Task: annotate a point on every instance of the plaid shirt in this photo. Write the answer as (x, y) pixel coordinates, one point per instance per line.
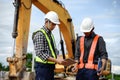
(41, 45)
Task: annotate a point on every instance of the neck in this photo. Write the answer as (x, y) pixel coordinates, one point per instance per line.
(48, 27)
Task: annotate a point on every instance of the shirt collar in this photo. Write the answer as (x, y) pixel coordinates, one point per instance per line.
(47, 30)
(92, 35)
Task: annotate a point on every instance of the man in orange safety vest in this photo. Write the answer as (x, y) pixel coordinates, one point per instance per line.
(89, 49)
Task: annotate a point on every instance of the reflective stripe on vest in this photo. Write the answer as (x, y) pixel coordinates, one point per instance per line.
(89, 64)
(51, 49)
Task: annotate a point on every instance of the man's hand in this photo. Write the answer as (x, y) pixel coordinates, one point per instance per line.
(75, 68)
(100, 71)
(61, 61)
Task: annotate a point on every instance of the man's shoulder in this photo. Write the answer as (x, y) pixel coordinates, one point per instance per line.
(36, 32)
(100, 37)
(78, 38)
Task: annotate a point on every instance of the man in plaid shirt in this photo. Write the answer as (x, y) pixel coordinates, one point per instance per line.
(45, 48)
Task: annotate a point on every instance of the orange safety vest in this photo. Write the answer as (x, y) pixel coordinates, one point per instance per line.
(89, 64)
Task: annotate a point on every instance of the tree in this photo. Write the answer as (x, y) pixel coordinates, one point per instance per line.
(3, 68)
(29, 61)
(0, 66)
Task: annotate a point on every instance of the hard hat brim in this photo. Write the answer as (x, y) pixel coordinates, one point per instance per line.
(57, 23)
(82, 30)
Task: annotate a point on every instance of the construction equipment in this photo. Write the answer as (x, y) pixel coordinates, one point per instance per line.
(107, 69)
(21, 31)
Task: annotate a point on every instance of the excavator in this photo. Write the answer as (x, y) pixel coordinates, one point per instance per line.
(21, 31)
(20, 34)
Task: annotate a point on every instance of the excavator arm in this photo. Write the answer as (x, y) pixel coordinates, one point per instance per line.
(21, 31)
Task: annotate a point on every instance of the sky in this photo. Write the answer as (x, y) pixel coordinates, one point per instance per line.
(105, 14)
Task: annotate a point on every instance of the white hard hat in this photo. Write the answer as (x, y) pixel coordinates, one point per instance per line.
(53, 17)
(87, 25)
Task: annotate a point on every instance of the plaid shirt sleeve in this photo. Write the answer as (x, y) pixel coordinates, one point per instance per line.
(41, 46)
